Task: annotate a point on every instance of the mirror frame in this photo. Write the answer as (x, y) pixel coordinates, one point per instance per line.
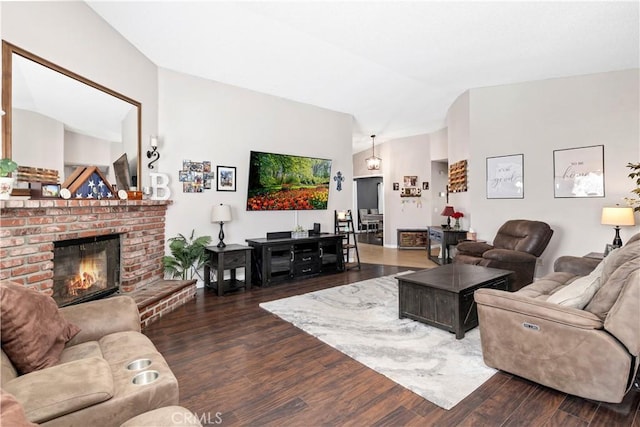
(8, 50)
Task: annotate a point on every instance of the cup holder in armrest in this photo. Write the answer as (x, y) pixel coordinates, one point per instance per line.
(145, 377)
(138, 364)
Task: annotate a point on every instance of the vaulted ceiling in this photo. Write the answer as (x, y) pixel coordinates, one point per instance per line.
(396, 66)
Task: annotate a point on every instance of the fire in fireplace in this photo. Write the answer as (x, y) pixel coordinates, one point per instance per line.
(85, 269)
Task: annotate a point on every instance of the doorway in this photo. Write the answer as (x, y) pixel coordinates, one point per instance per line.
(369, 194)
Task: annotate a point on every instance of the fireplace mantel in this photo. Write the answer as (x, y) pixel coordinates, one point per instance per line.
(29, 228)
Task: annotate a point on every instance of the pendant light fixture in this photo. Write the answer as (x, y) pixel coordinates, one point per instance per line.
(373, 162)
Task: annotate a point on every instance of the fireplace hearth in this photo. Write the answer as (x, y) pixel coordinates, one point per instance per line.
(85, 269)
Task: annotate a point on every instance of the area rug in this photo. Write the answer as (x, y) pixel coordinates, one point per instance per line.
(361, 320)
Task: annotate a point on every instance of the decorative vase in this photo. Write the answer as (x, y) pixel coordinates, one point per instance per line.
(6, 186)
(456, 226)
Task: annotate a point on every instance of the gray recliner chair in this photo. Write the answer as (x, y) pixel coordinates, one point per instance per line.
(516, 247)
(572, 336)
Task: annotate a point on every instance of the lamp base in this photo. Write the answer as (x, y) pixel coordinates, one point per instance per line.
(221, 243)
(617, 241)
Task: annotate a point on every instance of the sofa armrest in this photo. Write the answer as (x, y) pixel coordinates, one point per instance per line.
(508, 255)
(53, 392)
(473, 248)
(578, 266)
(535, 308)
(102, 317)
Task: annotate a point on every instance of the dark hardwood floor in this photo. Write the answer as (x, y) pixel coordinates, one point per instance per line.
(238, 365)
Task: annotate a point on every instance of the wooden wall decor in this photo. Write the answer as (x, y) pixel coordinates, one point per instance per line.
(87, 182)
(30, 174)
(458, 177)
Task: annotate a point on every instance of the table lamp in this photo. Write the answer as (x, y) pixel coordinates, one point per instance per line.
(448, 211)
(617, 215)
(221, 214)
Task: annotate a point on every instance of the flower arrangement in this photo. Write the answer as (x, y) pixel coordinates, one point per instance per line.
(299, 232)
(457, 215)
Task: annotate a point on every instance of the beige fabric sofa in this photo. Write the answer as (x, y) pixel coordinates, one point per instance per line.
(91, 383)
(592, 352)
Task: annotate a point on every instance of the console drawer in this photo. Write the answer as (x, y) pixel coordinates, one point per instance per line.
(306, 257)
(306, 268)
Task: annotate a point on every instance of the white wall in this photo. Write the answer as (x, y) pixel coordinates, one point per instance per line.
(459, 147)
(439, 141)
(72, 35)
(409, 156)
(206, 120)
(405, 157)
(535, 118)
(42, 140)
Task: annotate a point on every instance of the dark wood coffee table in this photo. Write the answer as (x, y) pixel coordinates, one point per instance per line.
(443, 296)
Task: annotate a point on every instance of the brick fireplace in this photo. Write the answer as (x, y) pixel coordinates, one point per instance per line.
(30, 228)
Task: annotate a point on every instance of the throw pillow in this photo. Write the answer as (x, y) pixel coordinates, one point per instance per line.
(578, 293)
(33, 333)
(11, 412)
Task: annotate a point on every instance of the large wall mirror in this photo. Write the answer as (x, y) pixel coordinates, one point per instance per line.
(57, 119)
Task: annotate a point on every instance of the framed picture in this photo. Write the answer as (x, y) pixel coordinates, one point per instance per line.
(396, 186)
(579, 172)
(50, 190)
(121, 171)
(425, 185)
(410, 181)
(505, 177)
(226, 178)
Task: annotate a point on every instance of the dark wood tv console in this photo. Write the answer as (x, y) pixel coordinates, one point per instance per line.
(276, 260)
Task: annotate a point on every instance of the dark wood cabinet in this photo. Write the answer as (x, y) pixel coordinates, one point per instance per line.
(443, 296)
(276, 260)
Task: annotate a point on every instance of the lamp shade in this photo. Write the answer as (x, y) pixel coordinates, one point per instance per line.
(221, 213)
(448, 211)
(617, 215)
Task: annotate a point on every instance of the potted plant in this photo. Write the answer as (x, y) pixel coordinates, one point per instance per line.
(7, 166)
(188, 256)
(635, 174)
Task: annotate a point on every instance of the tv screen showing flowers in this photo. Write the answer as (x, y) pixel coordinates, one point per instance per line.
(286, 182)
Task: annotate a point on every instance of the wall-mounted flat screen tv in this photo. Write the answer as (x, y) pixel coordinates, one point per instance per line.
(285, 182)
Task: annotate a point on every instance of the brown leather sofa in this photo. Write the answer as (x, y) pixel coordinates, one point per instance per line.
(516, 247)
(593, 351)
(92, 382)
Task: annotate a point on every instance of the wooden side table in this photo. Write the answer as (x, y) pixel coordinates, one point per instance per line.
(230, 258)
(594, 255)
(446, 238)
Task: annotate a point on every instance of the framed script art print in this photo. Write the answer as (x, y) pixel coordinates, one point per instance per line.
(579, 172)
(505, 177)
(226, 178)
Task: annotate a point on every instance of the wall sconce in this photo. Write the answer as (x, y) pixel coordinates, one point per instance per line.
(153, 153)
(373, 162)
(221, 214)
